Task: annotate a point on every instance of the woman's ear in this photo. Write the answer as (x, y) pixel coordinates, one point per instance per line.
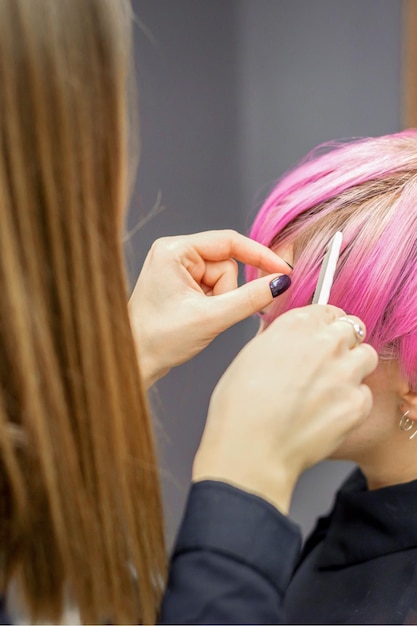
(408, 402)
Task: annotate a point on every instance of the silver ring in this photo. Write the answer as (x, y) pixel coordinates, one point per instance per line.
(357, 328)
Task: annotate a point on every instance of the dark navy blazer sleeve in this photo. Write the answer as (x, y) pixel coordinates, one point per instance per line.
(233, 559)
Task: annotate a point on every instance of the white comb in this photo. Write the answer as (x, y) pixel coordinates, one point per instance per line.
(328, 268)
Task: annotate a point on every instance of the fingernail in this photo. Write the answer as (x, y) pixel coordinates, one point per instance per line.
(279, 285)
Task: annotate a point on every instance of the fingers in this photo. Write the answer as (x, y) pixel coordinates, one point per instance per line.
(367, 400)
(218, 245)
(314, 314)
(360, 405)
(336, 336)
(356, 332)
(358, 363)
(220, 277)
(238, 304)
(350, 329)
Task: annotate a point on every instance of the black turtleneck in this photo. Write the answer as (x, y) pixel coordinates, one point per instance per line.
(359, 566)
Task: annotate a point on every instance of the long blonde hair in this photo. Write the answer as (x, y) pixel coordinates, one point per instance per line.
(80, 509)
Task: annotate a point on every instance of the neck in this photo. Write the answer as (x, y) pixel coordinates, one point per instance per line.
(391, 462)
(390, 468)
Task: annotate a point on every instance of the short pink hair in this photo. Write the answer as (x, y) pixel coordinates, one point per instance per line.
(368, 190)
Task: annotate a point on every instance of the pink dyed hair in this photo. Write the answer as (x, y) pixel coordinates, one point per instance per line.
(367, 189)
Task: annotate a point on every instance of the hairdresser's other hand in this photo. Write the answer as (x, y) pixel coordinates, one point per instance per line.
(286, 402)
(187, 293)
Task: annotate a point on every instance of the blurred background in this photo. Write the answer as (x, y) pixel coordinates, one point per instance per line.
(231, 94)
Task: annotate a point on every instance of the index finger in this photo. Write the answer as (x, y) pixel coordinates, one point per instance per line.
(218, 245)
(316, 313)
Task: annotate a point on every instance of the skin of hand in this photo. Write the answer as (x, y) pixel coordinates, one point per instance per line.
(287, 401)
(187, 293)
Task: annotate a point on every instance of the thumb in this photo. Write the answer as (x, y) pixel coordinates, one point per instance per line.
(238, 304)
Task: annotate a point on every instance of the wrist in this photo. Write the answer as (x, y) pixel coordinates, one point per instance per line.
(273, 484)
(150, 373)
(150, 368)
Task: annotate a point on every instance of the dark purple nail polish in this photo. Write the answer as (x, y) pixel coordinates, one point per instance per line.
(279, 285)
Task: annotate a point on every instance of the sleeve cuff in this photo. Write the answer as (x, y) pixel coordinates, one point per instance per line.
(242, 526)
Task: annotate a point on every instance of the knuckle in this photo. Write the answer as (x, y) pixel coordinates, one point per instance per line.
(358, 320)
(160, 243)
(169, 246)
(232, 264)
(330, 342)
(361, 402)
(369, 355)
(299, 318)
(331, 311)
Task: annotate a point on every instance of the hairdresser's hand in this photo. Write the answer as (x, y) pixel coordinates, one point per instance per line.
(286, 402)
(187, 293)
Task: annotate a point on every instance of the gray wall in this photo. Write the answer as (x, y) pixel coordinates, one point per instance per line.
(231, 95)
